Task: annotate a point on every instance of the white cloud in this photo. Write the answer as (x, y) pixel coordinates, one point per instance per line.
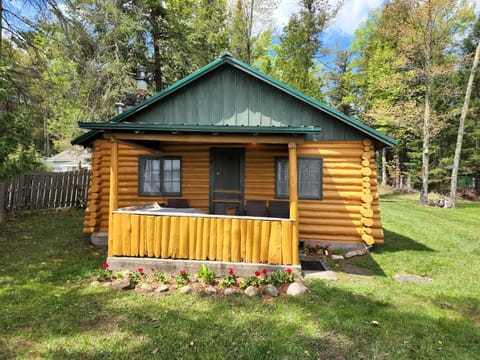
(349, 17)
(352, 14)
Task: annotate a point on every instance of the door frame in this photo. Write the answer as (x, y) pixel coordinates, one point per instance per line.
(241, 154)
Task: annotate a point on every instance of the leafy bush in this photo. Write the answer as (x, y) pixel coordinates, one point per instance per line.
(206, 274)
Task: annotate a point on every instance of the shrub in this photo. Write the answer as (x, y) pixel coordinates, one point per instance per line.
(206, 274)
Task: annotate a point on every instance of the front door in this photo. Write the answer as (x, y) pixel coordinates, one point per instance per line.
(226, 180)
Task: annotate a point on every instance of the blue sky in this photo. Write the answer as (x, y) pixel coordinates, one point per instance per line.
(340, 32)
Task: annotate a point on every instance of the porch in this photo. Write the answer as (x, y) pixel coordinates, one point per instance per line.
(172, 235)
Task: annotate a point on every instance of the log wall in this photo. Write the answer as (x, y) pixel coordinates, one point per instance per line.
(349, 210)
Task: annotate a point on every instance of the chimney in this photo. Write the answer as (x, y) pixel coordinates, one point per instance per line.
(141, 83)
(119, 107)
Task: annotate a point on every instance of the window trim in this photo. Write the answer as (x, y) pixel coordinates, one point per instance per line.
(279, 158)
(141, 170)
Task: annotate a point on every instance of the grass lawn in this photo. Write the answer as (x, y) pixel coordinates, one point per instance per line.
(49, 310)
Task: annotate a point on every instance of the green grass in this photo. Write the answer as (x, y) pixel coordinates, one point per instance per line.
(49, 310)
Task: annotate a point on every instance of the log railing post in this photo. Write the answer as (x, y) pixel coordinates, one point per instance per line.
(113, 194)
(293, 189)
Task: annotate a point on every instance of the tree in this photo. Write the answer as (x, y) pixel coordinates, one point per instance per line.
(299, 49)
(427, 31)
(339, 84)
(461, 127)
(250, 18)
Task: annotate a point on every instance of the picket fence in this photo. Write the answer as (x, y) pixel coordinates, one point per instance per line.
(44, 190)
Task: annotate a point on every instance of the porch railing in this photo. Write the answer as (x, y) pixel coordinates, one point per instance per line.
(202, 237)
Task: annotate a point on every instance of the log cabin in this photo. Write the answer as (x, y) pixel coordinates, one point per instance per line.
(240, 167)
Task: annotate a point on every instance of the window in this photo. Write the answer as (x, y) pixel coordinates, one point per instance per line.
(159, 176)
(309, 178)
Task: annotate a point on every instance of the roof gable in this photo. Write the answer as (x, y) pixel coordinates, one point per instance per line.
(230, 93)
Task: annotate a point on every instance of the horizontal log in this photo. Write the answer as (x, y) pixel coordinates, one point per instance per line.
(330, 237)
(330, 221)
(330, 207)
(331, 145)
(341, 153)
(330, 230)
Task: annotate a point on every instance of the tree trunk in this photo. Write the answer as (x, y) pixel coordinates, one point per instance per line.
(156, 15)
(427, 113)
(384, 167)
(397, 169)
(461, 127)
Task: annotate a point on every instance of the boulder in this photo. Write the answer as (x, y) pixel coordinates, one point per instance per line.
(162, 288)
(337, 257)
(121, 284)
(210, 290)
(145, 288)
(270, 290)
(186, 289)
(353, 253)
(251, 291)
(295, 289)
(229, 292)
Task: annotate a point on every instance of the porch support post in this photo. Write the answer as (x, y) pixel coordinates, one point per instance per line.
(113, 197)
(293, 189)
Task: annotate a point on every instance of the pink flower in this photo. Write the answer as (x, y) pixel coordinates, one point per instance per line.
(182, 272)
(105, 265)
(230, 271)
(288, 271)
(264, 272)
(257, 273)
(140, 270)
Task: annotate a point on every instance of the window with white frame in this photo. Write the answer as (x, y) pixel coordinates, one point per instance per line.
(309, 177)
(159, 176)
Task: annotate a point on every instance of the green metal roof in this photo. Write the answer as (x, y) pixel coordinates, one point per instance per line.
(201, 128)
(116, 122)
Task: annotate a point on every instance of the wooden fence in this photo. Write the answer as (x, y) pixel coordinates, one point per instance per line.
(43, 190)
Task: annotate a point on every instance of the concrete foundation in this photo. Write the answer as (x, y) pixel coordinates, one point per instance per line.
(191, 266)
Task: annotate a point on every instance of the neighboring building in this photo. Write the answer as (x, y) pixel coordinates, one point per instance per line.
(232, 143)
(69, 160)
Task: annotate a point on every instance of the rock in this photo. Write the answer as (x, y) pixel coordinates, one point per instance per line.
(186, 289)
(95, 283)
(353, 253)
(270, 290)
(107, 284)
(210, 290)
(162, 288)
(355, 270)
(295, 289)
(411, 278)
(251, 291)
(322, 275)
(375, 323)
(145, 288)
(337, 257)
(229, 292)
(121, 284)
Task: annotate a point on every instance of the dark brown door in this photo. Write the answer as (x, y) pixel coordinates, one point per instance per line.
(226, 180)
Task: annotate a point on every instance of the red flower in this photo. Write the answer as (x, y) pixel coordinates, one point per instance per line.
(140, 270)
(317, 246)
(105, 265)
(257, 273)
(182, 272)
(230, 271)
(288, 271)
(327, 247)
(308, 245)
(264, 272)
